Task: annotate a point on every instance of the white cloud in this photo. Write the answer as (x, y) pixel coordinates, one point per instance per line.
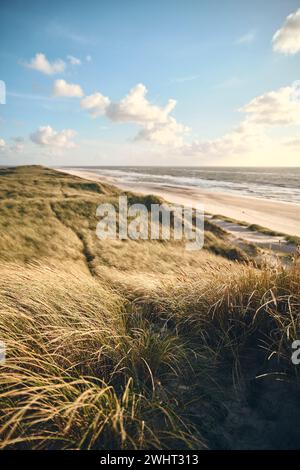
(240, 140)
(62, 88)
(247, 38)
(274, 108)
(287, 39)
(40, 63)
(16, 147)
(169, 133)
(280, 107)
(96, 104)
(73, 60)
(134, 107)
(271, 109)
(48, 137)
(156, 122)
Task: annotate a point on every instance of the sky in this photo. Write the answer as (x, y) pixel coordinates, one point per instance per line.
(166, 82)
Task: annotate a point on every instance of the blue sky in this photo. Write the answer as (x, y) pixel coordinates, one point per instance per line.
(212, 57)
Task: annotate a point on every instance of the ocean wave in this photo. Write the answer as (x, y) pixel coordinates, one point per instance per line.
(275, 184)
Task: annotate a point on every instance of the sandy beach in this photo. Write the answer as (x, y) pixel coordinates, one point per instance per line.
(280, 216)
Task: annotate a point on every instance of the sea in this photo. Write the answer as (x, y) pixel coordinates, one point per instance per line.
(279, 184)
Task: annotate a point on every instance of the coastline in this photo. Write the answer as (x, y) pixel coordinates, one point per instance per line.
(275, 215)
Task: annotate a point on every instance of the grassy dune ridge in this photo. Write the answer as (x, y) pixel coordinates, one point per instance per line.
(136, 344)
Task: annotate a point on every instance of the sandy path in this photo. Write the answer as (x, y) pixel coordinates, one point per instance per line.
(265, 241)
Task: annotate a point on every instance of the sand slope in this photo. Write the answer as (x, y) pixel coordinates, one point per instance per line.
(280, 216)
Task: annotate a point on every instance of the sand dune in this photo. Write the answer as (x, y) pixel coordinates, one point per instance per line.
(280, 216)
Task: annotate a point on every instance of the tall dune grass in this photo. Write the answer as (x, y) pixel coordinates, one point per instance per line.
(90, 367)
(79, 371)
(134, 344)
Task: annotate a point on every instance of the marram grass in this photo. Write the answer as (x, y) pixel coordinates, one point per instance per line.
(136, 344)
